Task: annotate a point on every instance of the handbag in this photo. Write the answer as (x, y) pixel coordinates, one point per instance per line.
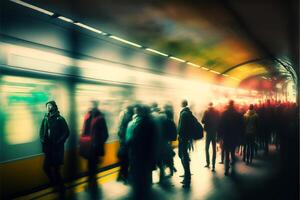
(85, 146)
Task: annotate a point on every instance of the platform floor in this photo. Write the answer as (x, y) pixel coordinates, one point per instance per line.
(205, 184)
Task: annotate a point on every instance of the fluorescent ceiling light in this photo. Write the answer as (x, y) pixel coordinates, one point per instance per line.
(178, 59)
(125, 41)
(33, 7)
(225, 75)
(154, 51)
(213, 71)
(205, 68)
(88, 27)
(189, 63)
(65, 19)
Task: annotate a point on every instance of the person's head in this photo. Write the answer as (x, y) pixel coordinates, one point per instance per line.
(94, 104)
(231, 104)
(154, 107)
(184, 103)
(51, 106)
(251, 107)
(210, 105)
(137, 109)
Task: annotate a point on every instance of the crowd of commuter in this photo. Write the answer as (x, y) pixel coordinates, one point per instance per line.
(146, 134)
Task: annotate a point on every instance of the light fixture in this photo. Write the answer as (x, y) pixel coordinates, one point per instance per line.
(33, 7)
(88, 27)
(213, 71)
(192, 64)
(226, 75)
(158, 52)
(204, 68)
(125, 41)
(65, 19)
(178, 59)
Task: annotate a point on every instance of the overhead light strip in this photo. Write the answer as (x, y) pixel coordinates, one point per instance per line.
(192, 64)
(213, 71)
(112, 36)
(158, 52)
(125, 41)
(33, 7)
(65, 19)
(88, 27)
(178, 59)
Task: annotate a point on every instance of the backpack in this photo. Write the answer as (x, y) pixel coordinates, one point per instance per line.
(196, 129)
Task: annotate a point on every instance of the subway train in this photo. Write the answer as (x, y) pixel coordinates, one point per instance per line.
(45, 64)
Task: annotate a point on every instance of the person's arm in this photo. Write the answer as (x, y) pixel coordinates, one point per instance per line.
(65, 132)
(104, 130)
(183, 125)
(42, 131)
(204, 118)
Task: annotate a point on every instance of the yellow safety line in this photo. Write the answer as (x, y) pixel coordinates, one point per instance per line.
(79, 185)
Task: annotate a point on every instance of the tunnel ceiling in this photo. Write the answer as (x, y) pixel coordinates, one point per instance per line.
(232, 37)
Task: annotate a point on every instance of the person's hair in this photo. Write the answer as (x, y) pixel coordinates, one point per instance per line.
(95, 103)
(53, 103)
(251, 107)
(210, 104)
(231, 103)
(184, 103)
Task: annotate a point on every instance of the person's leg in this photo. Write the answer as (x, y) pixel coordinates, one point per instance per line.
(233, 159)
(186, 166)
(58, 179)
(222, 154)
(207, 142)
(245, 151)
(48, 170)
(161, 170)
(214, 146)
(92, 170)
(226, 161)
(252, 147)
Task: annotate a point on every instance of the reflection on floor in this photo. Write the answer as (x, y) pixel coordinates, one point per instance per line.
(205, 184)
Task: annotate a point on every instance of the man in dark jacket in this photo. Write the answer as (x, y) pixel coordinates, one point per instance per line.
(231, 128)
(184, 125)
(95, 126)
(210, 120)
(251, 127)
(53, 133)
(140, 140)
(126, 117)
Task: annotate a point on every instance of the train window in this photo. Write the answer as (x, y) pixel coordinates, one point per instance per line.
(23, 106)
(113, 100)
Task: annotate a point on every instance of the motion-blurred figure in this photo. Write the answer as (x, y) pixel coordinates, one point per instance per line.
(211, 122)
(231, 127)
(140, 140)
(251, 127)
(123, 150)
(170, 134)
(159, 119)
(184, 125)
(54, 132)
(94, 136)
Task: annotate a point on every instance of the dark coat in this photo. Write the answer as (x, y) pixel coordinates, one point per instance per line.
(210, 120)
(95, 125)
(53, 133)
(184, 124)
(141, 145)
(231, 128)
